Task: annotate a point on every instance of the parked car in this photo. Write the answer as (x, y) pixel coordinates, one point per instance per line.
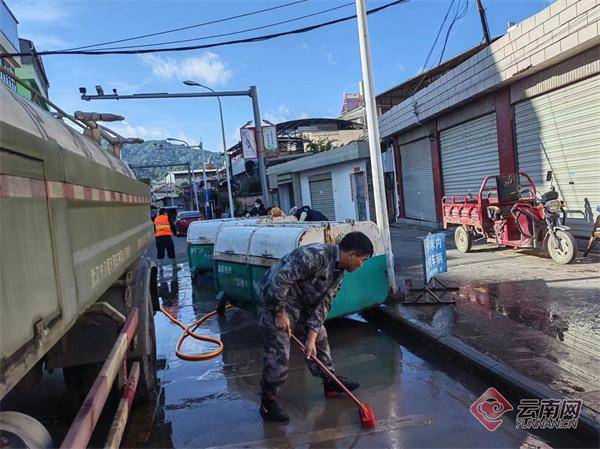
(184, 219)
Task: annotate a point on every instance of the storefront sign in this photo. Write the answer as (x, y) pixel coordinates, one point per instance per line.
(270, 140)
(248, 143)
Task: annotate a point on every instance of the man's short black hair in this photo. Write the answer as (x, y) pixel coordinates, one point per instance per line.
(358, 243)
(162, 211)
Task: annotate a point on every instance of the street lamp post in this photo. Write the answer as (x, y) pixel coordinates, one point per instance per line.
(206, 198)
(229, 193)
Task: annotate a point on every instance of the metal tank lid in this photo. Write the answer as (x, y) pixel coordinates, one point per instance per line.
(234, 239)
(204, 232)
(29, 117)
(275, 242)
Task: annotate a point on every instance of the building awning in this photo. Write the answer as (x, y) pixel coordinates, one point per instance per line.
(353, 151)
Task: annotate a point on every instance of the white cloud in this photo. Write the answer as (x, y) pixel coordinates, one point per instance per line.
(46, 41)
(304, 45)
(208, 68)
(330, 58)
(401, 67)
(39, 11)
(153, 131)
(283, 114)
(143, 132)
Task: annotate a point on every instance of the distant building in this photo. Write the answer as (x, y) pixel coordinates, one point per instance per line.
(9, 43)
(180, 177)
(335, 182)
(30, 69)
(310, 134)
(33, 73)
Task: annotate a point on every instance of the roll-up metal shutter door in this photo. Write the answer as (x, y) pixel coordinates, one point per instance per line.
(560, 131)
(417, 180)
(321, 194)
(469, 153)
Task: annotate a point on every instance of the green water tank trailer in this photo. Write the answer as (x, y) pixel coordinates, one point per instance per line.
(75, 223)
(242, 254)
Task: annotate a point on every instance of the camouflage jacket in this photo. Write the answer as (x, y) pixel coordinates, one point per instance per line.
(303, 284)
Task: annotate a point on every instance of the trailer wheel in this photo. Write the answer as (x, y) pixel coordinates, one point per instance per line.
(147, 388)
(463, 239)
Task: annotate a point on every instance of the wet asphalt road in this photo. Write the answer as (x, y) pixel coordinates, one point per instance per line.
(420, 399)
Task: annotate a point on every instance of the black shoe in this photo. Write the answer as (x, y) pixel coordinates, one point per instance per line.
(332, 389)
(271, 410)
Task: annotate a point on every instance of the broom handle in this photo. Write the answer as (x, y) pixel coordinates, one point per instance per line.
(329, 373)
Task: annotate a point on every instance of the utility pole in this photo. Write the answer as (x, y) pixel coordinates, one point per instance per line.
(206, 191)
(374, 142)
(484, 24)
(191, 203)
(262, 169)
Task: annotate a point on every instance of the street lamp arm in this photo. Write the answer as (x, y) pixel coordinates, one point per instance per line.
(229, 192)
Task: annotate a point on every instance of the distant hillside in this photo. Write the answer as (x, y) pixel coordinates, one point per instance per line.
(163, 152)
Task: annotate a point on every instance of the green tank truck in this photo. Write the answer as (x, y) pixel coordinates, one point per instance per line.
(74, 226)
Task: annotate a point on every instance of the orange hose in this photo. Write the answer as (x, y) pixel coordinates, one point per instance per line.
(188, 331)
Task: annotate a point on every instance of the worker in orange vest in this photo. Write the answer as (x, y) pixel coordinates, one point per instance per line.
(163, 232)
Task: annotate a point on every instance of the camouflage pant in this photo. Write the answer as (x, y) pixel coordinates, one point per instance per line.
(277, 353)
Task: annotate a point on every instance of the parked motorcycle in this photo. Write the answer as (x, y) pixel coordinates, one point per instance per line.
(512, 214)
(548, 216)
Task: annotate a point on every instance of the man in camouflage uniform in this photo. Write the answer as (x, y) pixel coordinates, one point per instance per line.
(295, 295)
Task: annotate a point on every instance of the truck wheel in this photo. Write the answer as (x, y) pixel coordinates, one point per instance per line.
(463, 240)
(563, 249)
(147, 388)
(18, 430)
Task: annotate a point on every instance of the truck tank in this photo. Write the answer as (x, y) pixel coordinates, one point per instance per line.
(72, 220)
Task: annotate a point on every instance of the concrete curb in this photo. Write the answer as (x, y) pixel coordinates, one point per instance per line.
(589, 420)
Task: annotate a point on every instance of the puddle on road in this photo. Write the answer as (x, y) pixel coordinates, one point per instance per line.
(562, 315)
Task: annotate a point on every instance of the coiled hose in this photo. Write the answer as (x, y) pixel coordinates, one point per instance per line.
(188, 331)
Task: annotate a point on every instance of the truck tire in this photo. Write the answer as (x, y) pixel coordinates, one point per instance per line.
(463, 239)
(147, 388)
(566, 250)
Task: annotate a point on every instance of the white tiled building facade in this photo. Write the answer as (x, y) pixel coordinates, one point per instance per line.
(529, 102)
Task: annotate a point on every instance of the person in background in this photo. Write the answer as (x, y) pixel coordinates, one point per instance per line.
(258, 209)
(305, 213)
(163, 233)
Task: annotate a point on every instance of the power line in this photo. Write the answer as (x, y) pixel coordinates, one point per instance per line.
(437, 36)
(204, 46)
(262, 27)
(173, 30)
(458, 15)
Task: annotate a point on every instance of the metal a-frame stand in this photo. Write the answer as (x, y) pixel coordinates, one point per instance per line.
(429, 290)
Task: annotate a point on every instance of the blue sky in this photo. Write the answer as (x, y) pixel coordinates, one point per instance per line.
(296, 76)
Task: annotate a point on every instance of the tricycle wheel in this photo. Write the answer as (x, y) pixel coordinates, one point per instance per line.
(563, 248)
(463, 239)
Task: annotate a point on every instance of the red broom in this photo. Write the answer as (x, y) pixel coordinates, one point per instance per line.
(367, 417)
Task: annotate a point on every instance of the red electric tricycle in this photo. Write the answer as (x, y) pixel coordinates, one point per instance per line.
(508, 211)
